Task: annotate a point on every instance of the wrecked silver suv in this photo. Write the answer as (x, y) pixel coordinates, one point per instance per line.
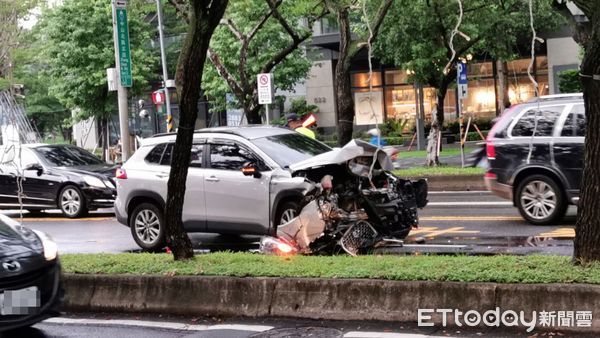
(356, 205)
(246, 180)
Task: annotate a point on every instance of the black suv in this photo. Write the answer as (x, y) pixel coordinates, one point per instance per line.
(535, 154)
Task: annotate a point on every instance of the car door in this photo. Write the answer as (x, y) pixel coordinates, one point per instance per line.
(235, 203)
(194, 205)
(568, 147)
(8, 177)
(40, 187)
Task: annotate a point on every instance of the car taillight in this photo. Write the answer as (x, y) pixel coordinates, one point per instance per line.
(121, 174)
(490, 150)
(491, 175)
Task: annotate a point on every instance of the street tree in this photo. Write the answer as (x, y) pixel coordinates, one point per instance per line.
(11, 12)
(417, 35)
(202, 16)
(587, 34)
(45, 111)
(356, 32)
(78, 46)
(259, 36)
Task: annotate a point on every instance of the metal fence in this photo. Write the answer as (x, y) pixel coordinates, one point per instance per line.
(14, 125)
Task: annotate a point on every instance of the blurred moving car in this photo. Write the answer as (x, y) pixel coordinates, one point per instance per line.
(55, 176)
(30, 285)
(536, 156)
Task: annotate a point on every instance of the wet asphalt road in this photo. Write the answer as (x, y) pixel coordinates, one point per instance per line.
(132, 325)
(463, 222)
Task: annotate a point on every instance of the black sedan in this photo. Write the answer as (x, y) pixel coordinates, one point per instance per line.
(55, 176)
(30, 288)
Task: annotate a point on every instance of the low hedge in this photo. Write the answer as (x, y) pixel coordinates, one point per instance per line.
(500, 269)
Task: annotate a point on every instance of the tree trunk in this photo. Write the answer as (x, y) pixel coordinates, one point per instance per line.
(253, 114)
(503, 98)
(587, 228)
(343, 91)
(204, 15)
(437, 121)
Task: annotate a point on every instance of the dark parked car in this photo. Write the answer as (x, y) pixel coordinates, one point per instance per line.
(30, 287)
(536, 156)
(55, 176)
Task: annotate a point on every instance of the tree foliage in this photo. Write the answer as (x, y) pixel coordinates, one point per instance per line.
(416, 36)
(11, 12)
(359, 24)
(79, 47)
(259, 36)
(569, 82)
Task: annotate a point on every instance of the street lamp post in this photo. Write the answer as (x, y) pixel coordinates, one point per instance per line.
(163, 59)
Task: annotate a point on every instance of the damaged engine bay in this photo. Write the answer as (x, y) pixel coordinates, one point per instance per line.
(356, 204)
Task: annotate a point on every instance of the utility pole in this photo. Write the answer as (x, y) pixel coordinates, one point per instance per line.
(163, 58)
(123, 66)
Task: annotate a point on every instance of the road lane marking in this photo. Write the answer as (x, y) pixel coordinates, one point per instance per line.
(435, 231)
(162, 325)
(459, 192)
(468, 204)
(560, 232)
(64, 219)
(470, 218)
(235, 327)
(365, 334)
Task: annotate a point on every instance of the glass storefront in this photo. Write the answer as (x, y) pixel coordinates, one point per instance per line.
(394, 96)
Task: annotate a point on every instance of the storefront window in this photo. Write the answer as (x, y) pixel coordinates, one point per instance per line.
(368, 106)
(396, 77)
(480, 69)
(362, 79)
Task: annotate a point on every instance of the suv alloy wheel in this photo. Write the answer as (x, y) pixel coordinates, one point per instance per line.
(540, 200)
(147, 227)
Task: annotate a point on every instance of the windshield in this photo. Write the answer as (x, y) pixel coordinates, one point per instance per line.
(288, 149)
(67, 156)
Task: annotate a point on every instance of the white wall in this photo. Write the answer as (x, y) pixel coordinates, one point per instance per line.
(561, 52)
(319, 91)
(85, 133)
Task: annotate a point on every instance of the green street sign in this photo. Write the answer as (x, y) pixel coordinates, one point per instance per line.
(124, 52)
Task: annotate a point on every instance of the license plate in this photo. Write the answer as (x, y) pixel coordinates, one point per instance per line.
(20, 302)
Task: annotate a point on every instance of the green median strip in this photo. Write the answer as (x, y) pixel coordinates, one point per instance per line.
(423, 153)
(438, 171)
(500, 269)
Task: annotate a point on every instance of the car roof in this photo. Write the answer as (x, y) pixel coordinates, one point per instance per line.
(248, 132)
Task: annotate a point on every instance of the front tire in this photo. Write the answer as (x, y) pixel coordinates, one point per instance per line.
(147, 227)
(287, 211)
(72, 202)
(540, 200)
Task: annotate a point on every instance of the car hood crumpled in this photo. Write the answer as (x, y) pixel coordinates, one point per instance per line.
(353, 149)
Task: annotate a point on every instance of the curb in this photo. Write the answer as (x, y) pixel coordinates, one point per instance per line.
(455, 183)
(323, 299)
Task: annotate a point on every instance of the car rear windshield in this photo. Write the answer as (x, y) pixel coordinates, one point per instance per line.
(67, 156)
(288, 149)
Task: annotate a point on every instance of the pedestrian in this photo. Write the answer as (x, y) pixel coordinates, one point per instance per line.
(295, 123)
(376, 140)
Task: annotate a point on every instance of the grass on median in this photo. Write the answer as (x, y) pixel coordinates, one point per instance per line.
(423, 153)
(438, 171)
(501, 269)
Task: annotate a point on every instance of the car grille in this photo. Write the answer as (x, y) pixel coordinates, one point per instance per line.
(24, 279)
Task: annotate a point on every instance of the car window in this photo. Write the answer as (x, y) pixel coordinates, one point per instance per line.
(290, 148)
(196, 156)
(162, 153)
(67, 156)
(166, 158)
(230, 156)
(579, 111)
(546, 118)
(155, 154)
